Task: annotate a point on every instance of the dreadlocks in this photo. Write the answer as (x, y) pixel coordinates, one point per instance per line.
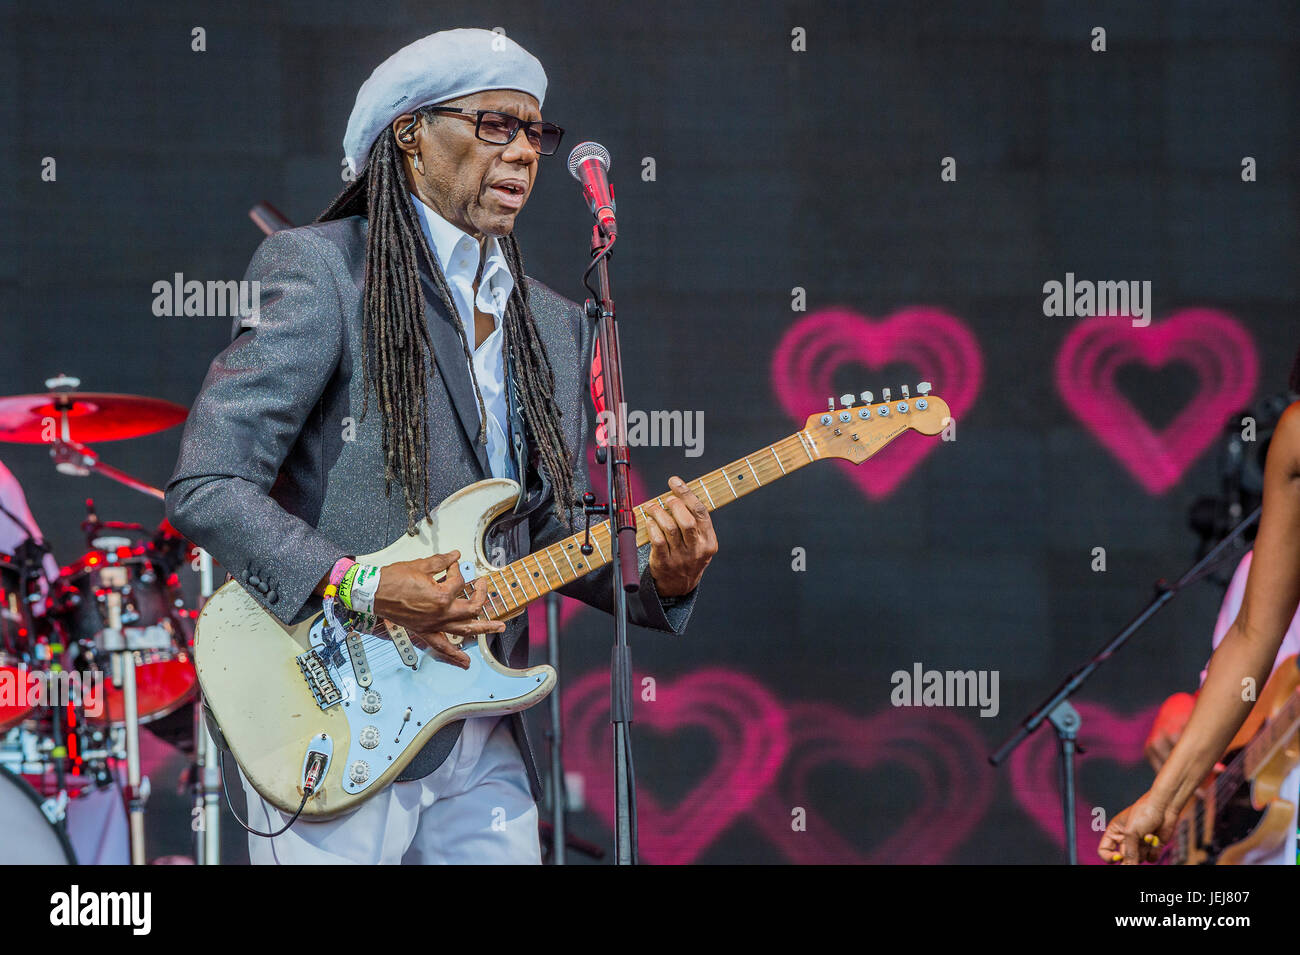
(395, 340)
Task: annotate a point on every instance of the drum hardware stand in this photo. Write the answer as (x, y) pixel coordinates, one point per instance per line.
(78, 460)
(137, 787)
(205, 774)
(73, 458)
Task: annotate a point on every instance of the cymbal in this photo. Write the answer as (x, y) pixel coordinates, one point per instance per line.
(91, 417)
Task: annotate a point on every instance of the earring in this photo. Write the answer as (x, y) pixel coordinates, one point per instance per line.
(416, 162)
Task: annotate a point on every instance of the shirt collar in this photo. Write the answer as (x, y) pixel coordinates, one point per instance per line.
(446, 240)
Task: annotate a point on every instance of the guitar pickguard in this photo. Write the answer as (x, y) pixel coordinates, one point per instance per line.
(386, 717)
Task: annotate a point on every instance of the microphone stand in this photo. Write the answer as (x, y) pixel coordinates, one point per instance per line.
(626, 578)
(1065, 718)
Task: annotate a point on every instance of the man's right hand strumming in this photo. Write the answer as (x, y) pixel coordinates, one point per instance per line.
(429, 609)
(409, 596)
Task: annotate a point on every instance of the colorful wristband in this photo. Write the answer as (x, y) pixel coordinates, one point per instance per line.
(345, 586)
(358, 587)
(364, 587)
(340, 568)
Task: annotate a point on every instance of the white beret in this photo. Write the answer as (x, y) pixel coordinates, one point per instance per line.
(437, 68)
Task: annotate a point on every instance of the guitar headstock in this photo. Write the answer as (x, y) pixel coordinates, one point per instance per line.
(862, 426)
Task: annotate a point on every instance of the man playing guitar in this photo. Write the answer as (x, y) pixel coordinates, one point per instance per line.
(400, 343)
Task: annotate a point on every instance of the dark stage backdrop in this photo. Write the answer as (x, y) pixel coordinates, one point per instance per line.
(761, 149)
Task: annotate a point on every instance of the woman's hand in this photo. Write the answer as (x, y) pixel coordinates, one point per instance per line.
(1138, 833)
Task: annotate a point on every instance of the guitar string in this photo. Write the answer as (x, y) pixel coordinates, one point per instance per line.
(1230, 779)
(1234, 775)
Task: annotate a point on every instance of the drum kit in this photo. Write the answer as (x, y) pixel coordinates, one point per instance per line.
(92, 655)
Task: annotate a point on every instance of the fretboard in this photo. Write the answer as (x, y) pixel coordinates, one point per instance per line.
(1284, 724)
(530, 578)
(1255, 754)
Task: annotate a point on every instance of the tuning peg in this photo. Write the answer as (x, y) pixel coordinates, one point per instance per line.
(906, 393)
(867, 397)
(830, 404)
(846, 400)
(923, 388)
(884, 394)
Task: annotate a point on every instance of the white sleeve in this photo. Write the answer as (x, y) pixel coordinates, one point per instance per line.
(1231, 605)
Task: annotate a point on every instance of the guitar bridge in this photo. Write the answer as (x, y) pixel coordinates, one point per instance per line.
(319, 681)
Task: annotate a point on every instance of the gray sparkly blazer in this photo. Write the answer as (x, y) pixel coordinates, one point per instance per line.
(268, 485)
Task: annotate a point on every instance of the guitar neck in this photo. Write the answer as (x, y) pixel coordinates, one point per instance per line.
(533, 577)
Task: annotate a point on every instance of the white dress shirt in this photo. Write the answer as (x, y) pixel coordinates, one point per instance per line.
(458, 255)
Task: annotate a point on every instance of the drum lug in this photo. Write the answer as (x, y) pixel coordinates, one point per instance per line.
(55, 808)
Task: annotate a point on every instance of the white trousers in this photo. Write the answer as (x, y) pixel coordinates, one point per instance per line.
(474, 809)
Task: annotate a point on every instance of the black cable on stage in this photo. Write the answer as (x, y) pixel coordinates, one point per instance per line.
(221, 760)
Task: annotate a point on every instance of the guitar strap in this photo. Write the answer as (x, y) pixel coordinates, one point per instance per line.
(520, 448)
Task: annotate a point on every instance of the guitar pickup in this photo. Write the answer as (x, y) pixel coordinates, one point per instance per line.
(405, 649)
(319, 681)
(360, 665)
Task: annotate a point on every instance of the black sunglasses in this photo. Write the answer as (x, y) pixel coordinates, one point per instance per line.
(497, 128)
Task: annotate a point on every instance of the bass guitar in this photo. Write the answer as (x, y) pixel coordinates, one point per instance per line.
(1239, 812)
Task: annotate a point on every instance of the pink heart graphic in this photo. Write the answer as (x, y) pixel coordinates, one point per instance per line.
(568, 606)
(746, 721)
(940, 346)
(1217, 347)
(1105, 736)
(938, 749)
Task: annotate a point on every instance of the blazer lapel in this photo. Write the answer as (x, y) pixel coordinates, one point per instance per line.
(450, 356)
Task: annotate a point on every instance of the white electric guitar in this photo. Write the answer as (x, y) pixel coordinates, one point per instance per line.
(353, 712)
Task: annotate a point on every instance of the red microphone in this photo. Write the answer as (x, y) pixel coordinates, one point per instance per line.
(589, 164)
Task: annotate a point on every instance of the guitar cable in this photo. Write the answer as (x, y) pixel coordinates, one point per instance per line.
(308, 788)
